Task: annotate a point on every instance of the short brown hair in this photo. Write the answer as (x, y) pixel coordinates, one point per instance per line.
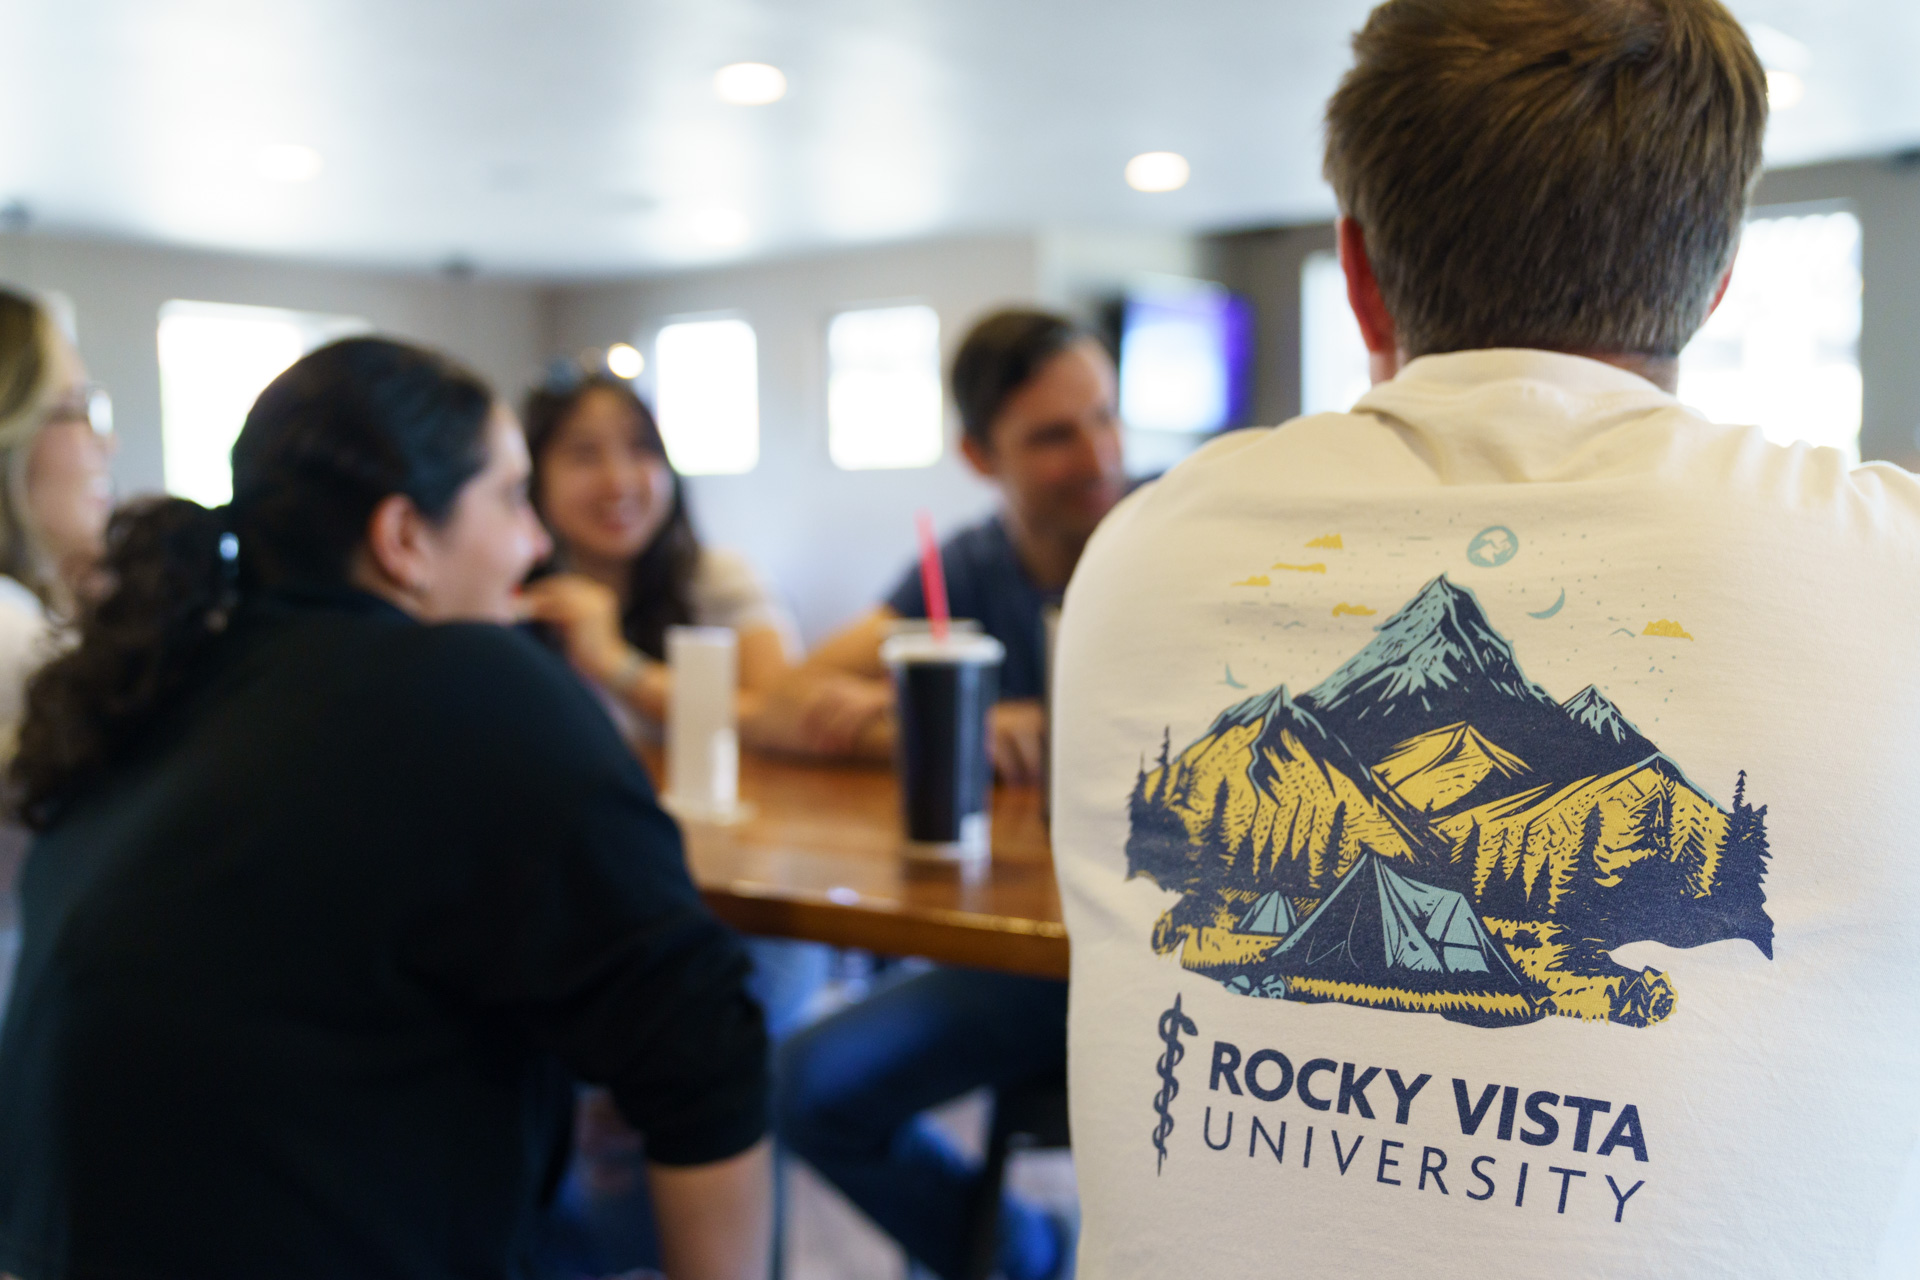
(1001, 354)
(1561, 174)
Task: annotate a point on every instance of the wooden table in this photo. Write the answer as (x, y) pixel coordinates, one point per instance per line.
(819, 859)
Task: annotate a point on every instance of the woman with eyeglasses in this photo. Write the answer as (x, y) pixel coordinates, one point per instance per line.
(55, 492)
(55, 495)
(341, 882)
(628, 563)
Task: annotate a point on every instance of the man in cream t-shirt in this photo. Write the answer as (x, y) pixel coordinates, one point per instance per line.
(1488, 819)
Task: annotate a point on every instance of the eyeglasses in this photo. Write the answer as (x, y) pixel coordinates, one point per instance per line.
(89, 404)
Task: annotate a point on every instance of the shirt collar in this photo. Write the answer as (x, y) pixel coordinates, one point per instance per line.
(301, 596)
(1509, 414)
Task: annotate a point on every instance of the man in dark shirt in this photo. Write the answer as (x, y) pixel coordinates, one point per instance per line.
(1036, 398)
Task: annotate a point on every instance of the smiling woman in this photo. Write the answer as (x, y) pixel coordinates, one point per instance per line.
(627, 563)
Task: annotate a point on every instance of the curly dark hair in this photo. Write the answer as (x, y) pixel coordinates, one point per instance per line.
(330, 439)
(660, 580)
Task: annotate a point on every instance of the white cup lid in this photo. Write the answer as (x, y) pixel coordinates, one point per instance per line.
(959, 646)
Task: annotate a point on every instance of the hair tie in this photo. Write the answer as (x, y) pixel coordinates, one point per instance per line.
(228, 548)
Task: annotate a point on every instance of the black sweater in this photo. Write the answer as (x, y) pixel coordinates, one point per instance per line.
(305, 977)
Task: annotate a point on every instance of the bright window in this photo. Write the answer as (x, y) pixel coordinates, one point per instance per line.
(215, 359)
(1783, 351)
(883, 388)
(707, 384)
(1333, 358)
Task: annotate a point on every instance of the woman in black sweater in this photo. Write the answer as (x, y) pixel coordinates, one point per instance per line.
(336, 891)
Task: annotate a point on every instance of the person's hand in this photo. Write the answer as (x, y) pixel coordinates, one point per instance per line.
(837, 710)
(1018, 733)
(587, 616)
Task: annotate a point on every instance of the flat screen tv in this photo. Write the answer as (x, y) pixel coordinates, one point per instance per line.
(1186, 358)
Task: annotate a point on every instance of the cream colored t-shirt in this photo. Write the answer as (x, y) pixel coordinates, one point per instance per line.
(1489, 829)
(726, 592)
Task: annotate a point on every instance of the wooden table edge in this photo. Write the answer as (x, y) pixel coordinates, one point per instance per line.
(1036, 948)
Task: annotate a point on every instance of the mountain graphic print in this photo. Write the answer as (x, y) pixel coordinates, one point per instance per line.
(1427, 830)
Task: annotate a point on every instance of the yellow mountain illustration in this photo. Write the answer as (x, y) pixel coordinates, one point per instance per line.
(1428, 831)
(1290, 816)
(1331, 542)
(1437, 770)
(1257, 580)
(1353, 611)
(1301, 568)
(1547, 832)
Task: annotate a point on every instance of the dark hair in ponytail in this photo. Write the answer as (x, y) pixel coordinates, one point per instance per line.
(331, 438)
(660, 580)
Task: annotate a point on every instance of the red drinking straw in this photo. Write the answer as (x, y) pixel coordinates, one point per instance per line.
(933, 580)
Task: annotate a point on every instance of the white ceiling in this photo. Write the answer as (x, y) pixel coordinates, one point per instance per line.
(570, 137)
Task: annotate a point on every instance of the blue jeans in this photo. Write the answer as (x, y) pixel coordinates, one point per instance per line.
(849, 1092)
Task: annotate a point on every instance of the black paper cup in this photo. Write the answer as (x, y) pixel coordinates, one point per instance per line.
(944, 691)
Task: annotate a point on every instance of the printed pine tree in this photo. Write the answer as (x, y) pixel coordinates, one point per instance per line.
(1246, 864)
(1691, 858)
(1216, 845)
(1323, 864)
(1469, 855)
(1492, 885)
(1529, 867)
(1739, 890)
(1157, 839)
(1506, 891)
(1573, 887)
(1653, 821)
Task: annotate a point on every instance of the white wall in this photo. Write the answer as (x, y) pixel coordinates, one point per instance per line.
(831, 541)
(498, 328)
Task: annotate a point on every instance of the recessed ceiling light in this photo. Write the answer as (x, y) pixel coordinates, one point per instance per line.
(1158, 171)
(722, 228)
(1778, 49)
(287, 162)
(750, 84)
(1784, 89)
(624, 360)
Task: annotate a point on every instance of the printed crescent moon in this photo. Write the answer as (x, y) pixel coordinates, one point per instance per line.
(1554, 608)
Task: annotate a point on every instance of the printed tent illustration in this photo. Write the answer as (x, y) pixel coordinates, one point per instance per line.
(1271, 915)
(1380, 928)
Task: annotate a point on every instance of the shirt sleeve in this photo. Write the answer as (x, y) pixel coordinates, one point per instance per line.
(728, 593)
(26, 641)
(568, 909)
